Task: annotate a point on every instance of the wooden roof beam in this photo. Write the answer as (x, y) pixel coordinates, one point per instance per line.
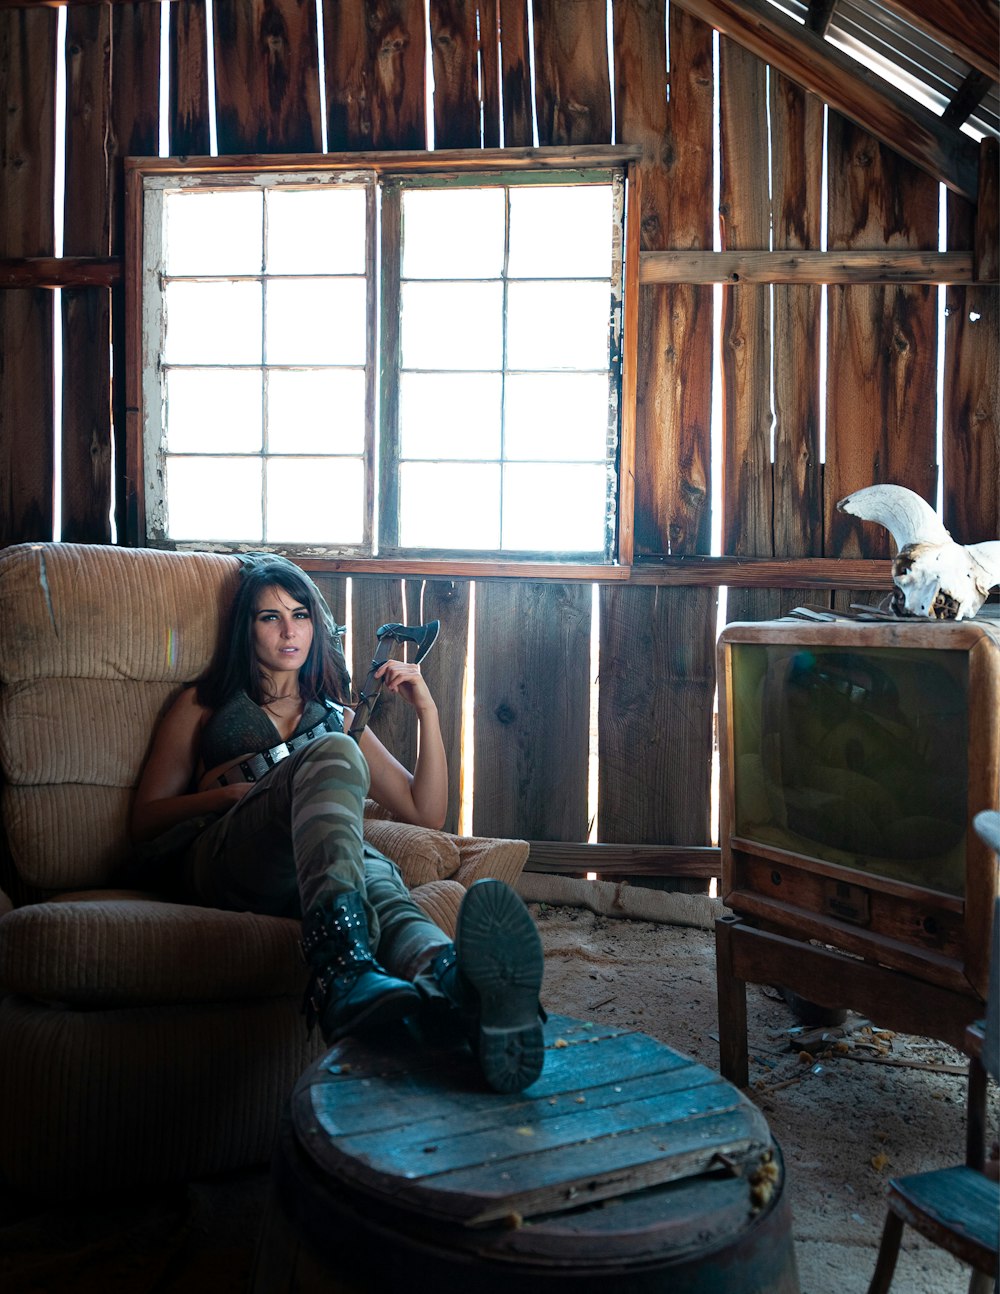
(819, 15)
(967, 98)
(969, 28)
(895, 118)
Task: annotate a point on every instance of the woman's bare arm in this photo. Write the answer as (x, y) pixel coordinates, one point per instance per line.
(420, 797)
(162, 798)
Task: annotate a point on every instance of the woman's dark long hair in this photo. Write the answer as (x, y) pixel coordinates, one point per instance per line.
(323, 676)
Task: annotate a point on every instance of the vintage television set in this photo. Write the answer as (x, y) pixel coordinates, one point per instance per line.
(854, 756)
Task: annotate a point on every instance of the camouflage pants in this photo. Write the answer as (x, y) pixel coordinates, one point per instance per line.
(296, 836)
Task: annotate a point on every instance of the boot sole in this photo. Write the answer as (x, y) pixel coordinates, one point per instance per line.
(500, 954)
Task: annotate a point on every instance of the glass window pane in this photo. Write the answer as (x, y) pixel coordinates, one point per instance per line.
(316, 231)
(554, 507)
(556, 415)
(453, 233)
(560, 231)
(315, 500)
(316, 411)
(449, 505)
(214, 498)
(316, 321)
(452, 325)
(558, 325)
(213, 410)
(213, 233)
(212, 323)
(450, 415)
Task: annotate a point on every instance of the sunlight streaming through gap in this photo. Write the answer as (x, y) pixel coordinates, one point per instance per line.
(468, 758)
(942, 314)
(163, 144)
(610, 23)
(593, 765)
(531, 72)
(321, 77)
(428, 77)
(58, 237)
(213, 134)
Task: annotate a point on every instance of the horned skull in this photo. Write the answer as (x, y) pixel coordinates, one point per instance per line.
(934, 576)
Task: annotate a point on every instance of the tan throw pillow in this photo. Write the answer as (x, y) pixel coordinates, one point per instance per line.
(420, 854)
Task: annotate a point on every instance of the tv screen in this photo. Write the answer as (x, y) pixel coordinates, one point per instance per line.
(855, 756)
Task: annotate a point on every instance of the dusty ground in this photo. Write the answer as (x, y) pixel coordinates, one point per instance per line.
(843, 1129)
(845, 1122)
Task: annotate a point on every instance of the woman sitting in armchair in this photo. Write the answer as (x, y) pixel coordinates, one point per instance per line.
(290, 841)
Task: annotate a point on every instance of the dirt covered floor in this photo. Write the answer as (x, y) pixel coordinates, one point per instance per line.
(870, 1106)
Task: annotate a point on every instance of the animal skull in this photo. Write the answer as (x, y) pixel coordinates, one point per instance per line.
(933, 575)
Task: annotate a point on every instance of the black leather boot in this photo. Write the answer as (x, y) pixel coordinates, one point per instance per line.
(490, 978)
(348, 990)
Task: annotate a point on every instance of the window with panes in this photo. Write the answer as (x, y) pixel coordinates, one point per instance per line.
(370, 362)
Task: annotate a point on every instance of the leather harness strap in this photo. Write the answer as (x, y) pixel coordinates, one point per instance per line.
(254, 768)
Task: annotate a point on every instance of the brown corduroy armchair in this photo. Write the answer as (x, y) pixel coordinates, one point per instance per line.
(141, 1041)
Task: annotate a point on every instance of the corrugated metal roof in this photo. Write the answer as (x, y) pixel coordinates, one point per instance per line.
(902, 53)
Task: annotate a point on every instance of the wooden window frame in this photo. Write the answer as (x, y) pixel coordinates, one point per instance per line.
(213, 172)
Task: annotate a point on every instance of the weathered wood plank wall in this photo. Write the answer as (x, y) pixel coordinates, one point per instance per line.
(27, 176)
(657, 671)
(531, 659)
(86, 312)
(881, 394)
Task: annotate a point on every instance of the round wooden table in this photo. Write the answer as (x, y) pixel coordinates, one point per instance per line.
(626, 1167)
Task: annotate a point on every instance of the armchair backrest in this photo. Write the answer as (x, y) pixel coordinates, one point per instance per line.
(95, 643)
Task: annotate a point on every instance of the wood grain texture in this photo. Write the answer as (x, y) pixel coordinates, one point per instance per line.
(454, 57)
(27, 132)
(655, 714)
(971, 432)
(674, 388)
(970, 28)
(135, 106)
(515, 74)
(657, 681)
(572, 84)
(882, 340)
(796, 149)
(27, 142)
(807, 267)
(489, 55)
(87, 208)
(445, 670)
(266, 76)
(745, 213)
(893, 116)
(86, 314)
(189, 106)
(376, 602)
(532, 710)
(986, 240)
(26, 459)
(374, 74)
(86, 416)
(135, 99)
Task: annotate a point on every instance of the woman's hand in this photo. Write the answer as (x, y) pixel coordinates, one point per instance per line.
(420, 797)
(406, 680)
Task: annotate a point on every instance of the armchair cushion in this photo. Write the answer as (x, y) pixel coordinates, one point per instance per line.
(105, 949)
(420, 854)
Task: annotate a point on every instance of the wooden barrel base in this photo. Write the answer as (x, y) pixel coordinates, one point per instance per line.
(626, 1169)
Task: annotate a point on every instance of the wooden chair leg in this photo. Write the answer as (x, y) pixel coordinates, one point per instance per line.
(734, 1062)
(888, 1252)
(980, 1283)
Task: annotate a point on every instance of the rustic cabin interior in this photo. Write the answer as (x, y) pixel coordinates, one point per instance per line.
(566, 325)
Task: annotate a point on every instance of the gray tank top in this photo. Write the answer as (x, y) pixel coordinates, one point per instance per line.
(239, 727)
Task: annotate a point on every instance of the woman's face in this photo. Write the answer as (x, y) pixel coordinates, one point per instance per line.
(282, 631)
